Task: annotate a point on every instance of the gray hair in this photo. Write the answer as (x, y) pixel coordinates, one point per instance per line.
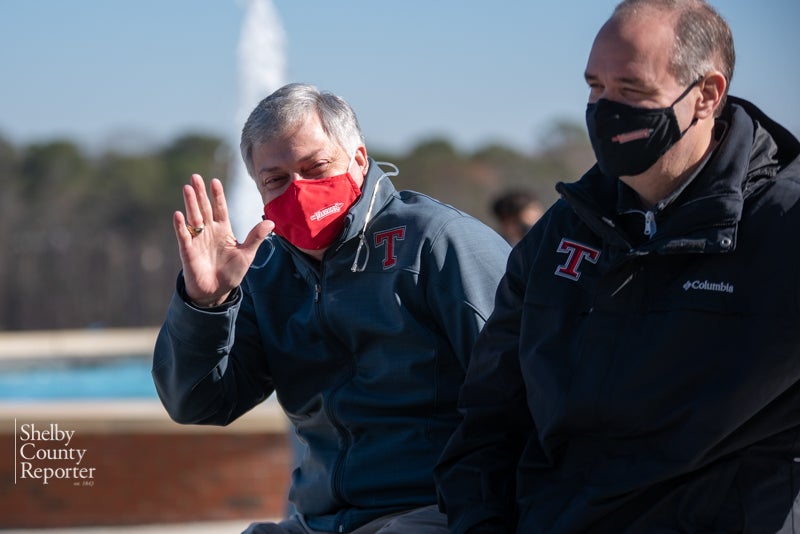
(284, 110)
(703, 39)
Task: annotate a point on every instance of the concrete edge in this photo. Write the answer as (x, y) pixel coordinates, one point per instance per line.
(31, 346)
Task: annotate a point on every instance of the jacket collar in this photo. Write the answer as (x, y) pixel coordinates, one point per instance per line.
(376, 191)
(703, 216)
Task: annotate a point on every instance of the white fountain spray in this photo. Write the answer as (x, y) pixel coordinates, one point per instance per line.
(261, 63)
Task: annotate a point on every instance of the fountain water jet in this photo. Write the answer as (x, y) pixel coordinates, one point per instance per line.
(261, 70)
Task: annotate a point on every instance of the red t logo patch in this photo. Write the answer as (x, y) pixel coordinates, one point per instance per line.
(577, 253)
(388, 238)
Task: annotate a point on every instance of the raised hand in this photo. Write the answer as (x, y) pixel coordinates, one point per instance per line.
(214, 262)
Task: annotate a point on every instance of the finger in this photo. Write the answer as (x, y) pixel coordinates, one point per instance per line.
(181, 233)
(257, 235)
(206, 214)
(193, 214)
(219, 204)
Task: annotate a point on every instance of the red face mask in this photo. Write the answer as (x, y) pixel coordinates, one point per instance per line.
(310, 213)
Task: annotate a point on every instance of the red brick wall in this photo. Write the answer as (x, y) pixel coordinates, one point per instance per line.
(143, 478)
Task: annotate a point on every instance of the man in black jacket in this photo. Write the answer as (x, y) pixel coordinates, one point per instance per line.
(641, 370)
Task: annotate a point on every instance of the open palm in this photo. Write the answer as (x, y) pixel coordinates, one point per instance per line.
(214, 262)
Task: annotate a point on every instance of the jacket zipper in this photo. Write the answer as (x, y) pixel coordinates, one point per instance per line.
(338, 466)
(649, 223)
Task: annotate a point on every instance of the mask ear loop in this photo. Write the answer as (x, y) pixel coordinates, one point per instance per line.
(683, 95)
(686, 91)
(357, 266)
(264, 263)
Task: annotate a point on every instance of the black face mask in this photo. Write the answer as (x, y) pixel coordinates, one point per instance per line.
(628, 140)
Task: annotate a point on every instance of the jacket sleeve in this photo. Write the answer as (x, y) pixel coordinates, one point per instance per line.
(477, 471)
(465, 265)
(208, 365)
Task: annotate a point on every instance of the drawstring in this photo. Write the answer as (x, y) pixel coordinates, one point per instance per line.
(362, 241)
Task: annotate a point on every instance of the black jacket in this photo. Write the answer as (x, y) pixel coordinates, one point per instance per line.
(644, 384)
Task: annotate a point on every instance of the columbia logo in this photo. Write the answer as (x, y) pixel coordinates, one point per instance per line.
(705, 285)
(330, 210)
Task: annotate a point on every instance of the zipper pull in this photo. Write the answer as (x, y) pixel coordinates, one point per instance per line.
(649, 223)
(317, 291)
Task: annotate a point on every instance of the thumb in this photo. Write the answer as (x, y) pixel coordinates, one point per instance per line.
(257, 235)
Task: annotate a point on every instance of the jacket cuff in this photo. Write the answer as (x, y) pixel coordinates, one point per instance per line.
(233, 298)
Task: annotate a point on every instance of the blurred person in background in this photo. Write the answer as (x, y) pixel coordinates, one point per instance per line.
(516, 210)
(359, 312)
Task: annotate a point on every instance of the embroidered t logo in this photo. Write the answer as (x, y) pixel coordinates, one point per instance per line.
(576, 254)
(388, 238)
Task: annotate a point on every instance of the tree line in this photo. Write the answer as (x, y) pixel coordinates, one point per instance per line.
(88, 239)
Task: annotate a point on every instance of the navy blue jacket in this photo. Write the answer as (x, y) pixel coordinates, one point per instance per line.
(365, 351)
(644, 384)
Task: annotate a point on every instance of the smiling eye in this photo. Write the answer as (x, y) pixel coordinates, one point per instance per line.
(317, 169)
(595, 87)
(273, 181)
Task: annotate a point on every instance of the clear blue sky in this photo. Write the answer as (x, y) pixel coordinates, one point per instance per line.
(101, 71)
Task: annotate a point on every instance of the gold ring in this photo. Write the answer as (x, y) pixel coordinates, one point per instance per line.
(194, 230)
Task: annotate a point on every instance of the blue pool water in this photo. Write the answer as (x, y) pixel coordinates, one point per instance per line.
(118, 378)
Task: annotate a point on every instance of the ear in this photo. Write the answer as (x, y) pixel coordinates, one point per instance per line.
(712, 88)
(361, 159)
